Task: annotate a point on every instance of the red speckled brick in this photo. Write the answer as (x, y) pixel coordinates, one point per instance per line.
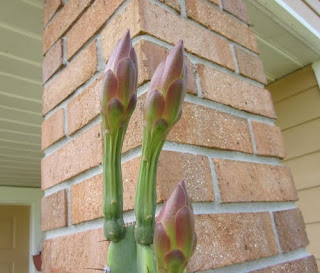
(248, 182)
(52, 61)
(70, 78)
(75, 253)
(269, 140)
(237, 8)
(54, 211)
(59, 25)
(89, 23)
(304, 265)
(250, 65)
(52, 129)
(49, 9)
(84, 107)
(224, 88)
(147, 17)
(232, 238)
(78, 155)
(291, 229)
(222, 23)
(86, 197)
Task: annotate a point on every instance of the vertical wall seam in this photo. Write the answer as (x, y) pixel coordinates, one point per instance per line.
(215, 182)
(253, 140)
(275, 233)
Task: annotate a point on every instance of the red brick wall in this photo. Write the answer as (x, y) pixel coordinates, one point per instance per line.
(226, 146)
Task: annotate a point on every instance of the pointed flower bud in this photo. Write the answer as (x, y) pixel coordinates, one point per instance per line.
(120, 84)
(174, 235)
(167, 89)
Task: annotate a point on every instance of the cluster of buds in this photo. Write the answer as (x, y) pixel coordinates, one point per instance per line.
(174, 236)
(118, 101)
(162, 109)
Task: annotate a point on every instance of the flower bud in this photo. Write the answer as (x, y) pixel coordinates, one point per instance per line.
(174, 235)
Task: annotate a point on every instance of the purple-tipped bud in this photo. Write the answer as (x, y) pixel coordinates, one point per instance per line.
(174, 235)
(167, 89)
(120, 81)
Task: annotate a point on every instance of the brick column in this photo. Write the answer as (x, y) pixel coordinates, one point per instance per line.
(226, 146)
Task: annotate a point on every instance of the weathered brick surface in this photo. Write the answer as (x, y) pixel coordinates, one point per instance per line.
(84, 107)
(74, 75)
(291, 229)
(248, 182)
(206, 127)
(237, 8)
(52, 61)
(89, 23)
(59, 25)
(78, 155)
(86, 197)
(231, 238)
(158, 22)
(200, 126)
(222, 23)
(173, 4)
(269, 140)
(304, 265)
(250, 65)
(54, 211)
(224, 88)
(52, 129)
(49, 9)
(216, 2)
(150, 55)
(75, 253)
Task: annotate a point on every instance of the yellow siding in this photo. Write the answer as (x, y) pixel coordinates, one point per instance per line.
(297, 103)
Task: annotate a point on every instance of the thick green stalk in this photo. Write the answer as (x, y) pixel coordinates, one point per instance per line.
(145, 259)
(146, 195)
(113, 189)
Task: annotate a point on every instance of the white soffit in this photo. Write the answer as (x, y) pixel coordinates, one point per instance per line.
(286, 41)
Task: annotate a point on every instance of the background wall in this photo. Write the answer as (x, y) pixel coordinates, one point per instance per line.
(226, 146)
(297, 103)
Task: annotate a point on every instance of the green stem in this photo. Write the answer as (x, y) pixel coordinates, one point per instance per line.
(113, 189)
(146, 195)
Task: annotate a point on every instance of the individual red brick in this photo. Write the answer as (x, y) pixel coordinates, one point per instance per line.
(237, 8)
(59, 25)
(159, 22)
(86, 200)
(89, 23)
(150, 55)
(69, 79)
(210, 128)
(291, 229)
(304, 265)
(52, 61)
(212, 18)
(49, 9)
(250, 65)
(173, 4)
(224, 88)
(52, 129)
(248, 182)
(84, 107)
(75, 253)
(54, 211)
(269, 140)
(231, 238)
(86, 197)
(78, 155)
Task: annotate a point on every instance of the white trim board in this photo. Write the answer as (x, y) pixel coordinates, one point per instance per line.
(31, 197)
(291, 20)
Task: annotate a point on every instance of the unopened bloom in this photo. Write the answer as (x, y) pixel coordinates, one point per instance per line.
(174, 236)
(118, 100)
